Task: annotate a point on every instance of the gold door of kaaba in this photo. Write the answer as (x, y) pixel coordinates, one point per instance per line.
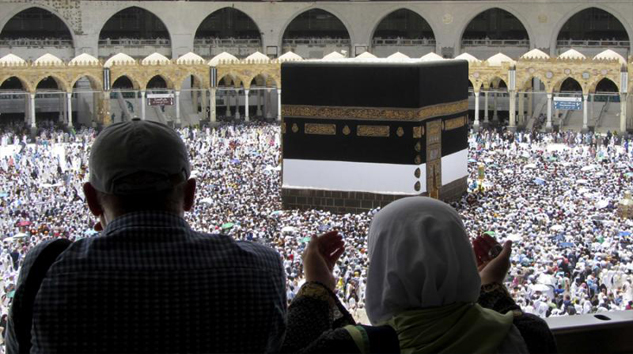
(434, 158)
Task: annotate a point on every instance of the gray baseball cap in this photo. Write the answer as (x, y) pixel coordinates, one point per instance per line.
(127, 148)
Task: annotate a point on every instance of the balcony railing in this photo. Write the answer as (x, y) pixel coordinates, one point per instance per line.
(227, 42)
(496, 42)
(403, 41)
(316, 41)
(135, 42)
(36, 42)
(593, 43)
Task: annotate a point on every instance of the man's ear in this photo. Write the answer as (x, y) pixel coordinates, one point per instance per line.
(190, 194)
(93, 201)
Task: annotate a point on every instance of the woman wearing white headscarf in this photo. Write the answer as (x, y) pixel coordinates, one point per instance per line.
(423, 281)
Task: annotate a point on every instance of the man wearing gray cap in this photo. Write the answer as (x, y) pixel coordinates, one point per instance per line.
(149, 283)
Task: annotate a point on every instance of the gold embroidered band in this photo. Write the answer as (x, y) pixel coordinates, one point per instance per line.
(374, 113)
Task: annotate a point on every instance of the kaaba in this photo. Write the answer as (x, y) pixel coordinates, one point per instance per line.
(358, 135)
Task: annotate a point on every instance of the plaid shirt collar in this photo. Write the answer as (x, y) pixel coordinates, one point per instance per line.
(155, 219)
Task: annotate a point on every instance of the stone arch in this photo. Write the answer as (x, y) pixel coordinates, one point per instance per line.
(496, 81)
(525, 83)
(52, 10)
(237, 12)
(26, 85)
(385, 16)
(61, 83)
(524, 22)
(476, 83)
(131, 78)
(228, 80)
(95, 82)
(578, 9)
(558, 85)
(168, 82)
(296, 15)
(593, 86)
(139, 7)
(198, 81)
(259, 80)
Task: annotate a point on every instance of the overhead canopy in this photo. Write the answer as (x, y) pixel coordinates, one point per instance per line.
(155, 58)
(535, 54)
(257, 56)
(119, 59)
(366, 55)
(190, 58)
(571, 55)
(431, 57)
(12, 59)
(610, 55)
(289, 56)
(498, 59)
(224, 56)
(84, 59)
(468, 57)
(334, 56)
(398, 56)
(48, 59)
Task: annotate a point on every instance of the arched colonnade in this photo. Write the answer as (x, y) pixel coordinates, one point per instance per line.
(227, 73)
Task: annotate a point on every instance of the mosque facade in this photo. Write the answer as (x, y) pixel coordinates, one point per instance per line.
(63, 46)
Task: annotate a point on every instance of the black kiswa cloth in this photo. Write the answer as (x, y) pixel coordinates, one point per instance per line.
(372, 112)
(392, 85)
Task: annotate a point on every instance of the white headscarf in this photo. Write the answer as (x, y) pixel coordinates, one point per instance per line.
(420, 257)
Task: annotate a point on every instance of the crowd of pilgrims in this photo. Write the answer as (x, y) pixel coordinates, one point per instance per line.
(554, 194)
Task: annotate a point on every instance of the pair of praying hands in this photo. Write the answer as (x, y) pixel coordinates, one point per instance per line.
(319, 258)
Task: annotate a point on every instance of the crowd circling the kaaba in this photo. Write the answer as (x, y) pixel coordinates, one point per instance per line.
(553, 194)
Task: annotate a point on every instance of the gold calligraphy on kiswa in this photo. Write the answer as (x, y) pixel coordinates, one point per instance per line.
(320, 129)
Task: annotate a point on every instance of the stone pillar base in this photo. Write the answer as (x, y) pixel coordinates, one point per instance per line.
(356, 202)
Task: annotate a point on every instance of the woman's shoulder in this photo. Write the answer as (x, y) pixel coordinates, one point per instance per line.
(536, 333)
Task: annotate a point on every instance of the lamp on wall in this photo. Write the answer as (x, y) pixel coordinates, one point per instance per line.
(624, 80)
(213, 77)
(106, 79)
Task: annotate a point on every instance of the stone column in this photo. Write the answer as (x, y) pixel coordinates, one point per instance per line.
(623, 112)
(495, 116)
(212, 105)
(521, 108)
(259, 99)
(476, 124)
(585, 112)
(237, 104)
(105, 117)
(142, 105)
(548, 126)
(268, 103)
(27, 109)
(530, 104)
(592, 99)
(194, 98)
(278, 104)
(177, 94)
(69, 108)
(512, 109)
(32, 109)
(246, 117)
(62, 111)
(486, 120)
(203, 94)
(228, 94)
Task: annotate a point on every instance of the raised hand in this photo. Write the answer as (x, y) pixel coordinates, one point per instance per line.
(320, 257)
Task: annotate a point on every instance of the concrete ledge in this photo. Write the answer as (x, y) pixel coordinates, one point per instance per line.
(356, 202)
(606, 332)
